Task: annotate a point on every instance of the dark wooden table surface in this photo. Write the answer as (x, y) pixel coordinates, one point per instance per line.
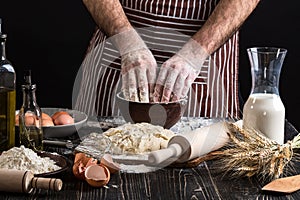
(201, 182)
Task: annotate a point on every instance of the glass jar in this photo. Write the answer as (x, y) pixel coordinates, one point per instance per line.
(264, 110)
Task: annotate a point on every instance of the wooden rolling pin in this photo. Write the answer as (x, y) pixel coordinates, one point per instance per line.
(186, 146)
(12, 180)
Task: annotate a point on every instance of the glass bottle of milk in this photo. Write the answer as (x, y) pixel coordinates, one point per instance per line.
(264, 110)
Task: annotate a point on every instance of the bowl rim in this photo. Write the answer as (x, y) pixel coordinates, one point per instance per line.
(119, 95)
(59, 160)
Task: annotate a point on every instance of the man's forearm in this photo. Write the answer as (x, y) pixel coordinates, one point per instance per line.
(109, 15)
(227, 18)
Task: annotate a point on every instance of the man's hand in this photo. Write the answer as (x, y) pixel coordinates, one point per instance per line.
(138, 66)
(177, 74)
(138, 75)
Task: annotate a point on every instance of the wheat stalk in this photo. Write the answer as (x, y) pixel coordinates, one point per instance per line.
(249, 153)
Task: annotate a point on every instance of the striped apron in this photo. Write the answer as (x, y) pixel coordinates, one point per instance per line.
(164, 25)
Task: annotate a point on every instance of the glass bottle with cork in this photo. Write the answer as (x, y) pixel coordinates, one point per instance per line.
(7, 98)
(30, 117)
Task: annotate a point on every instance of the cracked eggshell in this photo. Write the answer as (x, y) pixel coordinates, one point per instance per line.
(107, 161)
(78, 170)
(97, 175)
(81, 162)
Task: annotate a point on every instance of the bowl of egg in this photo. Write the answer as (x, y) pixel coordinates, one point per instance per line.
(59, 122)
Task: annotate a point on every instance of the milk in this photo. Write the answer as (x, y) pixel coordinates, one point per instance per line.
(266, 113)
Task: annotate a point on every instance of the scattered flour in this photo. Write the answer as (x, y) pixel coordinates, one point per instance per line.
(135, 169)
(22, 158)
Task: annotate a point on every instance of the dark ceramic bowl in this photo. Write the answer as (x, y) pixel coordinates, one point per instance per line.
(163, 114)
(59, 160)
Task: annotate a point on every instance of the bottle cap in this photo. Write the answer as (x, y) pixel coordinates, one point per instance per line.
(27, 77)
(27, 81)
(2, 36)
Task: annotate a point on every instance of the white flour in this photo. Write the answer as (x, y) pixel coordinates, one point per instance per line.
(137, 138)
(22, 158)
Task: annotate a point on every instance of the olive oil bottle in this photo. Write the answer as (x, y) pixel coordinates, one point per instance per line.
(7, 98)
(30, 117)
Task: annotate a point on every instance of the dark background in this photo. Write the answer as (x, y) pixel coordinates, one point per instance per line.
(51, 37)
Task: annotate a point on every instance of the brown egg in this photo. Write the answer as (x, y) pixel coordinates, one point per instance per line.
(47, 122)
(62, 118)
(45, 116)
(29, 119)
(107, 161)
(17, 120)
(56, 114)
(97, 175)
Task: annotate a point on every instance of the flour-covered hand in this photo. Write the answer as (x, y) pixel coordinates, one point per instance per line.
(138, 66)
(138, 75)
(178, 73)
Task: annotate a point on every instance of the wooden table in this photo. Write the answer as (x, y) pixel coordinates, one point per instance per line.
(201, 182)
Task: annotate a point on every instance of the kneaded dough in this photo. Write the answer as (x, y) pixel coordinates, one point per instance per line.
(138, 138)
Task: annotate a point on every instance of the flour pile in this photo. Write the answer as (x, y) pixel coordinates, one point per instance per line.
(22, 158)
